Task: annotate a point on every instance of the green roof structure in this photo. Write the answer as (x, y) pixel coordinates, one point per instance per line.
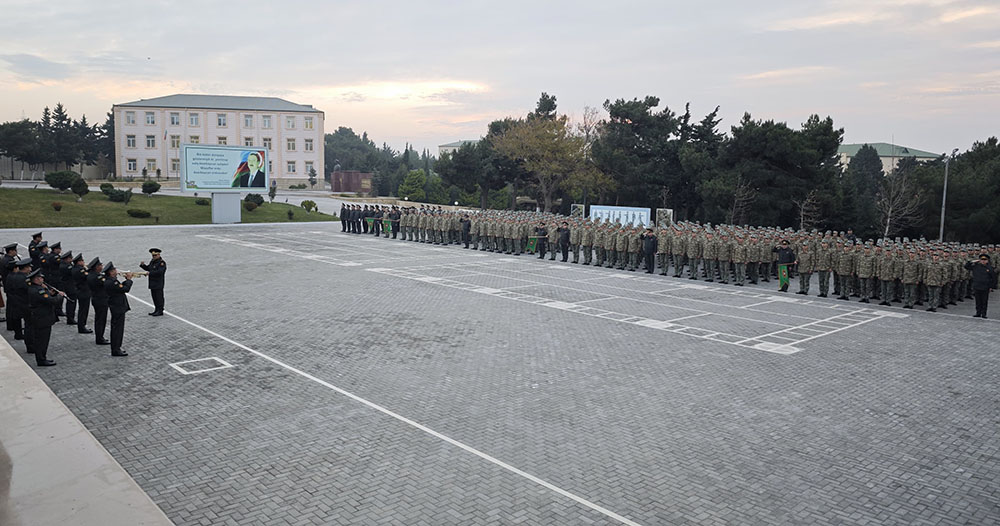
(222, 102)
(887, 150)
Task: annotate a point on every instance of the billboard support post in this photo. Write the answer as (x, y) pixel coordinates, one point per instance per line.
(225, 207)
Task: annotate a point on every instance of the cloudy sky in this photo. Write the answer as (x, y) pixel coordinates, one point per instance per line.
(925, 73)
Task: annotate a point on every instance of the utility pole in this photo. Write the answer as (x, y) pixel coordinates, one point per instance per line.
(944, 193)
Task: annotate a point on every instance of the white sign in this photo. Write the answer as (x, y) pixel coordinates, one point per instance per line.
(222, 168)
(625, 215)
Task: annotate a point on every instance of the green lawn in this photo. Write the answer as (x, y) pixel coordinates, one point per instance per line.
(24, 208)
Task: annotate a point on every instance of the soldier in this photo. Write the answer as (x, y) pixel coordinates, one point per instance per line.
(824, 265)
(710, 255)
(67, 285)
(663, 249)
(845, 271)
(553, 240)
(610, 245)
(564, 234)
(574, 241)
(98, 299)
(587, 241)
(885, 271)
(6, 266)
(42, 302)
(786, 256)
(678, 252)
(157, 269)
(33, 247)
(78, 274)
(913, 270)
(541, 237)
(694, 253)
(621, 248)
(650, 248)
(600, 232)
(934, 277)
(984, 280)
(118, 304)
(725, 254)
(865, 272)
(807, 261)
(16, 286)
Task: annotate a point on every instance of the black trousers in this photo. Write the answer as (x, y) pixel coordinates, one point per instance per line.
(40, 342)
(982, 301)
(117, 331)
(82, 313)
(100, 321)
(364, 226)
(649, 258)
(343, 225)
(157, 295)
(541, 248)
(564, 248)
(70, 310)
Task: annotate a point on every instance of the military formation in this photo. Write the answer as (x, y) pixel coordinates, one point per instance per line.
(911, 272)
(48, 284)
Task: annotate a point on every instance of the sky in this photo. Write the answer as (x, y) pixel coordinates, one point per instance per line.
(920, 73)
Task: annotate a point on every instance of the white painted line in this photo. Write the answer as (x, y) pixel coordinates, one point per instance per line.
(691, 316)
(758, 304)
(182, 370)
(580, 500)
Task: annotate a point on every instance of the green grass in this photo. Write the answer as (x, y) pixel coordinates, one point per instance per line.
(23, 208)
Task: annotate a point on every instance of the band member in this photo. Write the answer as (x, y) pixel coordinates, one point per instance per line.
(79, 274)
(16, 286)
(33, 245)
(99, 299)
(157, 268)
(42, 301)
(67, 285)
(6, 266)
(118, 303)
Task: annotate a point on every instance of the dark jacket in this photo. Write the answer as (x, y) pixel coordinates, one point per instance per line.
(649, 244)
(42, 306)
(786, 256)
(563, 236)
(99, 297)
(116, 290)
(984, 277)
(157, 268)
(66, 278)
(80, 275)
(16, 288)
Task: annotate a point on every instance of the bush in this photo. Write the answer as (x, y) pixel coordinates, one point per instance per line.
(61, 180)
(107, 187)
(80, 188)
(290, 215)
(250, 206)
(297, 187)
(57, 206)
(117, 196)
(256, 199)
(135, 212)
(202, 201)
(309, 205)
(128, 195)
(271, 192)
(150, 187)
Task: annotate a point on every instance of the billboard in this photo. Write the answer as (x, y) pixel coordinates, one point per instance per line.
(223, 168)
(625, 215)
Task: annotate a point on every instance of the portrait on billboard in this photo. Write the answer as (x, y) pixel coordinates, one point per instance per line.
(223, 168)
(250, 173)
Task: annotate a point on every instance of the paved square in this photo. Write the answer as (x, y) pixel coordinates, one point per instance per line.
(376, 381)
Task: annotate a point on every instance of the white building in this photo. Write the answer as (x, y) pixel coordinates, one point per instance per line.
(149, 132)
(453, 146)
(890, 154)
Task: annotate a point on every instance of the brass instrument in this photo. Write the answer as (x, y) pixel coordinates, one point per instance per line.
(136, 274)
(52, 290)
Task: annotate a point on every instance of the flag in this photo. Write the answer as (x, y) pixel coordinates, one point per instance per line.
(532, 244)
(783, 276)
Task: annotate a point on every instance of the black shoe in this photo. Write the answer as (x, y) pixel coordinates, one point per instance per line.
(119, 353)
(945, 307)
(85, 331)
(802, 292)
(103, 342)
(952, 303)
(931, 309)
(842, 297)
(3, 320)
(46, 363)
(18, 336)
(975, 316)
(920, 303)
(157, 313)
(983, 316)
(908, 307)
(885, 303)
(822, 295)
(739, 284)
(70, 322)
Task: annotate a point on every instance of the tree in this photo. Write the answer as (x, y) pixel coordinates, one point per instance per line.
(899, 204)
(545, 108)
(312, 177)
(65, 138)
(272, 191)
(104, 142)
(150, 187)
(80, 188)
(412, 187)
(862, 182)
(809, 211)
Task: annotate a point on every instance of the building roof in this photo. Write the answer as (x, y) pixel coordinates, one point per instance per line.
(457, 144)
(222, 102)
(887, 150)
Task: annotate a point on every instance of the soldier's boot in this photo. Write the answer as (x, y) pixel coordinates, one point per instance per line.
(552, 256)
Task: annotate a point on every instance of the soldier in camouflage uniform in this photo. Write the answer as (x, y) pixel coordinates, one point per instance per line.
(807, 262)
(587, 242)
(663, 249)
(824, 266)
(694, 254)
(621, 248)
(845, 270)
(634, 248)
(865, 272)
(913, 271)
(553, 240)
(710, 255)
(678, 252)
(574, 240)
(886, 272)
(740, 257)
(600, 233)
(934, 277)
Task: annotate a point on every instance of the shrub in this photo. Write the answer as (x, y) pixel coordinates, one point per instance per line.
(309, 205)
(57, 206)
(80, 188)
(135, 212)
(150, 187)
(128, 195)
(271, 192)
(290, 215)
(61, 180)
(297, 187)
(256, 199)
(250, 206)
(107, 187)
(117, 196)
(202, 201)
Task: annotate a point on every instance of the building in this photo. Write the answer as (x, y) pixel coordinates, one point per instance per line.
(149, 133)
(351, 181)
(452, 146)
(889, 153)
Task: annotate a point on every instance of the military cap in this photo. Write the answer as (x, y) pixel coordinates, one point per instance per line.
(79, 257)
(155, 251)
(39, 234)
(93, 263)
(34, 273)
(42, 244)
(23, 262)
(109, 267)
(66, 255)
(12, 246)
(57, 244)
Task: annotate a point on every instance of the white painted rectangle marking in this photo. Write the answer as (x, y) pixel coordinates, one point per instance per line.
(179, 366)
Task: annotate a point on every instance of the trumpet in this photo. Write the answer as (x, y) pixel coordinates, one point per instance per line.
(135, 274)
(52, 290)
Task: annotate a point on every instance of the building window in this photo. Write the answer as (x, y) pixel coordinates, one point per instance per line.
(175, 165)
(291, 167)
(194, 119)
(309, 145)
(129, 117)
(194, 139)
(175, 118)
(309, 167)
(248, 121)
(131, 165)
(290, 123)
(221, 119)
(220, 140)
(150, 165)
(130, 141)
(265, 122)
(309, 123)
(150, 141)
(248, 141)
(150, 118)
(175, 141)
(267, 143)
(290, 146)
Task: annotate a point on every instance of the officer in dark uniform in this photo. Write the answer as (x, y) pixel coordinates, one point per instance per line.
(7, 261)
(343, 217)
(99, 299)
(650, 245)
(50, 270)
(42, 303)
(157, 268)
(67, 285)
(33, 245)
(563, 241)
(41, 252)
(79, 274)
(118, 303)
(16, 286)
(542, 235)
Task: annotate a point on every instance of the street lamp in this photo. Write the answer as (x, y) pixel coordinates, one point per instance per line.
(944, 193)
